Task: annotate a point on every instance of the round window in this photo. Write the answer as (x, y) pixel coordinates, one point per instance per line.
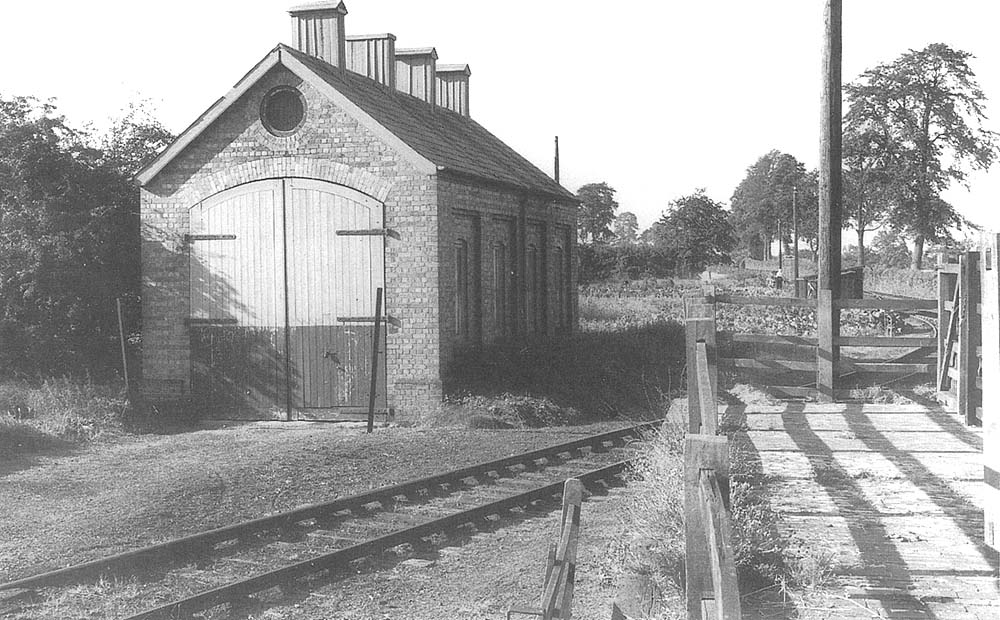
(283, 110)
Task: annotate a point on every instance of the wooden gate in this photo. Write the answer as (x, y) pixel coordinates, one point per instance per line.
(990, 381)
(283, 280)
(959, 382)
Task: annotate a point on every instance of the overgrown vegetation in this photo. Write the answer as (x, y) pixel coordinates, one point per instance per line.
(652, 532)
(69, 244)
(627, 372)
(58, 412)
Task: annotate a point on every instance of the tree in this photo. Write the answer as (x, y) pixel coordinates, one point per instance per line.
(869, 180)
(626, 229)
(68, 240)
(597, 211)
(762, 202)
(889, 250)
(931, 109)
(696, 231)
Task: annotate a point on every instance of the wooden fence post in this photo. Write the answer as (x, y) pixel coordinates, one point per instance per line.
(700, 452)
(827, 353)
(699, 330)
(970, 336)
(990, 295)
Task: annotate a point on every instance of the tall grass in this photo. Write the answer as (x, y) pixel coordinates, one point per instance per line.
(652, 529)
(62, 410)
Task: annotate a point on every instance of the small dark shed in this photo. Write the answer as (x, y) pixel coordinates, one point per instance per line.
(332, 169)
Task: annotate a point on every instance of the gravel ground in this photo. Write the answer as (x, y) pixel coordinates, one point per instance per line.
(64, 507)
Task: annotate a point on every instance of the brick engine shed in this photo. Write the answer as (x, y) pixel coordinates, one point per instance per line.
(331, 170)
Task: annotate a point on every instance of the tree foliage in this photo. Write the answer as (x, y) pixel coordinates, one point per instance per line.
(763, 201)
(69, 242)
(869, 180)
(927, 111)
(597, 211)
(695, 231)
(626, 229)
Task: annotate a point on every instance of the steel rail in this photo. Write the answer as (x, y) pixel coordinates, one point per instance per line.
(202, 543)
(340, 558)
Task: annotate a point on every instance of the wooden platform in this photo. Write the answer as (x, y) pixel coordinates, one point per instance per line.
(893, 493)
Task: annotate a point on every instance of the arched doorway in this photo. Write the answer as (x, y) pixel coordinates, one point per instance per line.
(283, 280)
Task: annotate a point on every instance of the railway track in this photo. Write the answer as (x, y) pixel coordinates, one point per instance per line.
(232, 564)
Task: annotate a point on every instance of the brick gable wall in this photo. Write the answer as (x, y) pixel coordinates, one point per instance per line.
(330, 146)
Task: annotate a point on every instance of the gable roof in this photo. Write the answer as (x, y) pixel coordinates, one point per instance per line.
(432, 138)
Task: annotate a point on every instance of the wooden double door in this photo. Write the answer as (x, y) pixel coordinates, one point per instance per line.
(283, 279)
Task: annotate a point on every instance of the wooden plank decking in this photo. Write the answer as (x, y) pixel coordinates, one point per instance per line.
(892, 492)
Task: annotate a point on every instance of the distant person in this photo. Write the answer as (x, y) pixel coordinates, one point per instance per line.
(778, 279)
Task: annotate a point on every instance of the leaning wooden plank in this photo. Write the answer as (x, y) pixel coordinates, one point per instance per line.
(944, 361)
(566, 554)
(768, 365)
(765, 301)
(774, 339)
(774, 351)
(892, 368)
(887, 304)
(885, 341)
(557, 590)
(720, 547)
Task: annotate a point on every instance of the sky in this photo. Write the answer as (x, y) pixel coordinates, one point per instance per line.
(657, 98)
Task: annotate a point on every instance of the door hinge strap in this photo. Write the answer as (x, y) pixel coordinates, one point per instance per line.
(210, 237)
(210, 322)
(369, 319)
(369, 232)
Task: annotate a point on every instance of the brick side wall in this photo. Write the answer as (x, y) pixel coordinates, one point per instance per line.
(499, 216)
(330, 146)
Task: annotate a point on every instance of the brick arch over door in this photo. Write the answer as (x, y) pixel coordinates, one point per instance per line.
(208, 184)
(283, 281)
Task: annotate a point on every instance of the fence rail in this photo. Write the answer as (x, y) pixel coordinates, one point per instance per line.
(791, 365)
(710, 561)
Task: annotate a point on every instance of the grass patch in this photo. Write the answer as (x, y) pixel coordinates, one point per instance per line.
(58, 412)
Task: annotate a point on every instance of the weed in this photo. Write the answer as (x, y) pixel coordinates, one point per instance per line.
(652, 535)
(810, 567)
(61, 410)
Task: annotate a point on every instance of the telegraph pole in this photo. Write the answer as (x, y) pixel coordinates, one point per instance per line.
(781, 247)
(795, 241)
(830, 158)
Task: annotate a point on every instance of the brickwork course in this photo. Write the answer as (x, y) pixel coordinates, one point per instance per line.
(892, 495)
(451, 192)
